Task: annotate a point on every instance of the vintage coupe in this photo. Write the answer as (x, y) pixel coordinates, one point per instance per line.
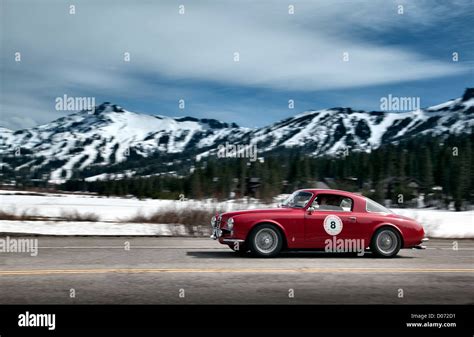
(314, 218)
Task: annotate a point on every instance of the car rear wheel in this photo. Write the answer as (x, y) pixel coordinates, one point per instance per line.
(265, 241)
(386, 242)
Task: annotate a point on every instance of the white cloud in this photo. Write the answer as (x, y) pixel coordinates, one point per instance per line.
(84, 51)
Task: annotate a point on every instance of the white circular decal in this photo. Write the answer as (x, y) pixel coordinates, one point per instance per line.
(332, 224)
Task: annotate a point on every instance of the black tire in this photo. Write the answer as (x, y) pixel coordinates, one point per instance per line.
(386, 242)
(265, 241)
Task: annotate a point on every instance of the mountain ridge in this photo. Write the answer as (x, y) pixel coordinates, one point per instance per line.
(110, 134)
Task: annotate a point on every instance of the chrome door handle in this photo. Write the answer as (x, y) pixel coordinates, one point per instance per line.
(352, 218)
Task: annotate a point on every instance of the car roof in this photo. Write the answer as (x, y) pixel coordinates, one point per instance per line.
(330, 191)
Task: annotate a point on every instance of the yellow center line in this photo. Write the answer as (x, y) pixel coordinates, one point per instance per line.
(230, 270)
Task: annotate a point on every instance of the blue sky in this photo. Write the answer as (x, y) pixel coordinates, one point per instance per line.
(191, 56)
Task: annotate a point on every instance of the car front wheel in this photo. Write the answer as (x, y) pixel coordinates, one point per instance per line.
(265, 241)
(386, 242)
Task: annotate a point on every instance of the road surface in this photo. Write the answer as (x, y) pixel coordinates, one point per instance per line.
(101, 270)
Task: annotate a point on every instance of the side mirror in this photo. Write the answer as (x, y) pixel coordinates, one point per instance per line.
(311, 209)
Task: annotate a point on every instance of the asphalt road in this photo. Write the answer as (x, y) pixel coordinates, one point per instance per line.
(200, 271)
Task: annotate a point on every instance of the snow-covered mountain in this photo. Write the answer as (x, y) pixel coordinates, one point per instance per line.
(332, 131)
(110, 135)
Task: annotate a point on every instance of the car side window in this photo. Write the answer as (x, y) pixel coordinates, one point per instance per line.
(332, 202)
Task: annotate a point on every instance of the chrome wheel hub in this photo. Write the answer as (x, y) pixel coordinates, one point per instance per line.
(387, 241)
(266, 240)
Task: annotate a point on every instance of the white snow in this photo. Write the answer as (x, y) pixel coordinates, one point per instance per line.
(97, 228)
(111, 211)
(108, 209)
(442, 224)
(445, 104)
(469, 103)
(111, 176)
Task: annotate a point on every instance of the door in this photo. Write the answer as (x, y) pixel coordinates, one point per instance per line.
(330, 217)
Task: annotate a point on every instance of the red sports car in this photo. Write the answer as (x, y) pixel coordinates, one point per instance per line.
(332, 220)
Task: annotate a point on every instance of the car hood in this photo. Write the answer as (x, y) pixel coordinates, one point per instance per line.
(259, 211)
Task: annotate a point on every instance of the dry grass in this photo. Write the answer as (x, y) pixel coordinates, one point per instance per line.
(20, 217)
(76, 216)
(189, 217)
(65, 216)
(197, 221)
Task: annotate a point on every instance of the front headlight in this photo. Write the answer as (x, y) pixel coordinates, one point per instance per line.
(230, 224)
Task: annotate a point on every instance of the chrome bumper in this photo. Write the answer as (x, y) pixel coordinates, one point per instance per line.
(420, 246)
(215, 222)
(233, 240)
(216, 233)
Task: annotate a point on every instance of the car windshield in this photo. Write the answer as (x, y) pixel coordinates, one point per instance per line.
(375, 207)
(297, 200)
